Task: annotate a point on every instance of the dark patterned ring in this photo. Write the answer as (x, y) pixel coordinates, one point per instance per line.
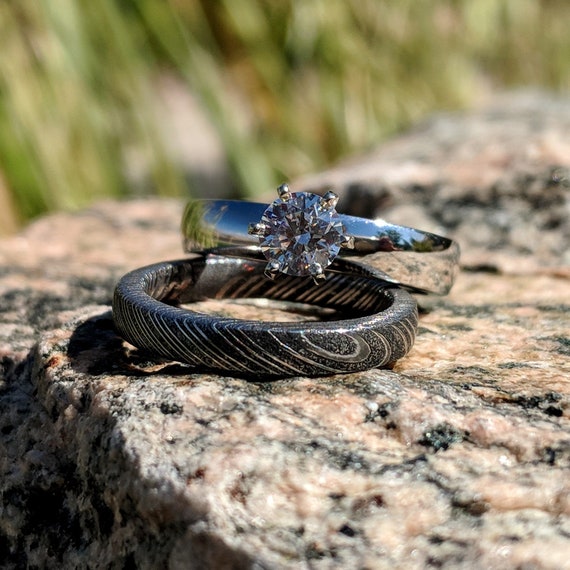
(377, 325)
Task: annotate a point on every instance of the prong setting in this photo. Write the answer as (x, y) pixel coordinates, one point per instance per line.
(256, 229)
(272, 269)
(347, 242)
(329, 200)
(283, 192)
(317, 273)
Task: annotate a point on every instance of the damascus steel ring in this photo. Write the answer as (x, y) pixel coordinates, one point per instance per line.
(301, 234)
(374, 323)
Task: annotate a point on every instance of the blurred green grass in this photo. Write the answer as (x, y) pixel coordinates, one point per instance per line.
(289, 85)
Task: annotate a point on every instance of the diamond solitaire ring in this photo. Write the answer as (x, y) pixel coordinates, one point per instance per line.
(300, 234)
(373, 323)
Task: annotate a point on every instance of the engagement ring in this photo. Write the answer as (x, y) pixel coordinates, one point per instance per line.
(301, 234)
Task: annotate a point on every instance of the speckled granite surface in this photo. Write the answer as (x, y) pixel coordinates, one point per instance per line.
(459, 457)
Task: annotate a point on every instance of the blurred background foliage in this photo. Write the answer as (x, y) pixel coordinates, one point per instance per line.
(94, 95)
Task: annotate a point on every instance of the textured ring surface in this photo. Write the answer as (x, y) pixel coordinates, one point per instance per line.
(377, 327)
(421, 261)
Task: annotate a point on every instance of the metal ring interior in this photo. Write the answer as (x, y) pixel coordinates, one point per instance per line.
(421, 261)
(378, 322)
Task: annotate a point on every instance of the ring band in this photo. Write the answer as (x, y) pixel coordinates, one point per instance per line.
(420, 261)
(380, 330)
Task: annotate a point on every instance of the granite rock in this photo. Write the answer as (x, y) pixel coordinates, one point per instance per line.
(458, 457)
(497, 179)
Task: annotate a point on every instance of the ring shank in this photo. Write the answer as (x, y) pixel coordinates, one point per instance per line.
(380, 329)
(421, 261)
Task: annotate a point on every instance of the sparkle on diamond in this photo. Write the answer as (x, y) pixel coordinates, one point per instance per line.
(300, 234)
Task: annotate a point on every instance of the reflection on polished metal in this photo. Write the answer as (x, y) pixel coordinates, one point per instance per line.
(300, 233)
(376, 325)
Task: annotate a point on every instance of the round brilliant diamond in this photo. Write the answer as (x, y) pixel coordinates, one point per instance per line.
(302, 234)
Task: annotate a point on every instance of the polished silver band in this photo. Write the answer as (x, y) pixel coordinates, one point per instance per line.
(377, 325)
(420, 261)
